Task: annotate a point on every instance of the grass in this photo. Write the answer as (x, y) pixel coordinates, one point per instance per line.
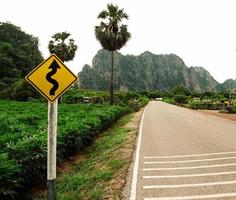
(89, 179)
(101, 175)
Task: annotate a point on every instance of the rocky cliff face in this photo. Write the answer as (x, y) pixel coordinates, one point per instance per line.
(228, 84)
(144, 72)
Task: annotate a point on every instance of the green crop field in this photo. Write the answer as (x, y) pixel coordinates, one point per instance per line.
(23, 138)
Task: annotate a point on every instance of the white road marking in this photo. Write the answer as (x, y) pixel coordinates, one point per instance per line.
(189, 161)
(192, 167)
(209, 196)
(136, 163)
(193, 155)
(189, 175)
(189, 185)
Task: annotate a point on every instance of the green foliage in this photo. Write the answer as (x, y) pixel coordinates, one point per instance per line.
(153, 94)
(136, 104)
(180, 98)
(75, 95)
(205, 104)
(9, 176)
(181, 90)
(132, 100)
(19, 54)
(222, 100)
(23, 138)
(111, 34)
(65, 51)
(101, 165)
(232, 108)
(169, 100)
(23, 91)
(228, 84)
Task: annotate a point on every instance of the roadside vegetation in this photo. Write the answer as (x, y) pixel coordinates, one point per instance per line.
(24, 138)
(224, 101)
(102, 174)
(23, 133)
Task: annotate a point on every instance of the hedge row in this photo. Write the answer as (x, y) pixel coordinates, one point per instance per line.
(209, 105)
(133, 100)
(23, 139)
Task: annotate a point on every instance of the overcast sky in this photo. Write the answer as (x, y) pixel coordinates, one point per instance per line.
(201, 32)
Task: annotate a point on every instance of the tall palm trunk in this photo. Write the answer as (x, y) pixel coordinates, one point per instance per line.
(111, 80)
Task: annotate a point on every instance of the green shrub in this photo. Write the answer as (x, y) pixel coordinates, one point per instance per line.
(133, 100)
(205, 104)
(22, 91)
(180, 98)
(232, 108)
(153, 94)
(10, 181)
(169, 100)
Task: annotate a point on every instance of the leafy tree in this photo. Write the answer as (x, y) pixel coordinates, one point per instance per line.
(180, 98)
(181, 90)
(154, 94)
(112, 35)
(19, 54)
(61, 47)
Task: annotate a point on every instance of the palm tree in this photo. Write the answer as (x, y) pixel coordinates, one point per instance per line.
(65, 51)
(112, 35)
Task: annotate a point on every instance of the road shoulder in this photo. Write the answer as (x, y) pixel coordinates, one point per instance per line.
(220, 115)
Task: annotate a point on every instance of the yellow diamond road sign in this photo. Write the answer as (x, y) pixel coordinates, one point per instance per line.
(51, 78)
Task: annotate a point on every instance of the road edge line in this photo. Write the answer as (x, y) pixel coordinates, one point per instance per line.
(136, 162)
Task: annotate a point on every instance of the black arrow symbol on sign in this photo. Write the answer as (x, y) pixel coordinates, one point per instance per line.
(54, 66)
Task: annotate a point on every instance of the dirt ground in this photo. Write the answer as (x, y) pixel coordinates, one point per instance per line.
(217, 114)
(133, 125)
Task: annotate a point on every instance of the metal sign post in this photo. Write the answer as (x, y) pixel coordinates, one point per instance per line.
(52, 150)
(51, 78)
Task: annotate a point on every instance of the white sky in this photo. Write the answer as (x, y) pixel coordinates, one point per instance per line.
(201, 32)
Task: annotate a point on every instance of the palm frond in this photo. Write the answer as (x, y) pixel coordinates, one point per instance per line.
(112, 35)
(112, 10)
(122, 15)
(103, 15)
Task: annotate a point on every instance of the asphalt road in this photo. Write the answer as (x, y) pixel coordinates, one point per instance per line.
(183, 154)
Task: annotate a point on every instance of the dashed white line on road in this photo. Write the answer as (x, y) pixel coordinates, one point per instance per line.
(188, 185)
(190, 175)
(193, 155)
(136, 163)
(189, 161)
(209, 196)
(192, 167)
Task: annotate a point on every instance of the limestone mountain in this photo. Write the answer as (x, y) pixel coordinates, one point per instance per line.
(146, 71)
(228, 84)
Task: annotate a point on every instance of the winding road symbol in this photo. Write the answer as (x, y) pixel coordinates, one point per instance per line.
(52, 78)
(54, 66)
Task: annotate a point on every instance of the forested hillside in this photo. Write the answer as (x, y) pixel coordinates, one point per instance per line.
(228, 84)
(19, 54)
